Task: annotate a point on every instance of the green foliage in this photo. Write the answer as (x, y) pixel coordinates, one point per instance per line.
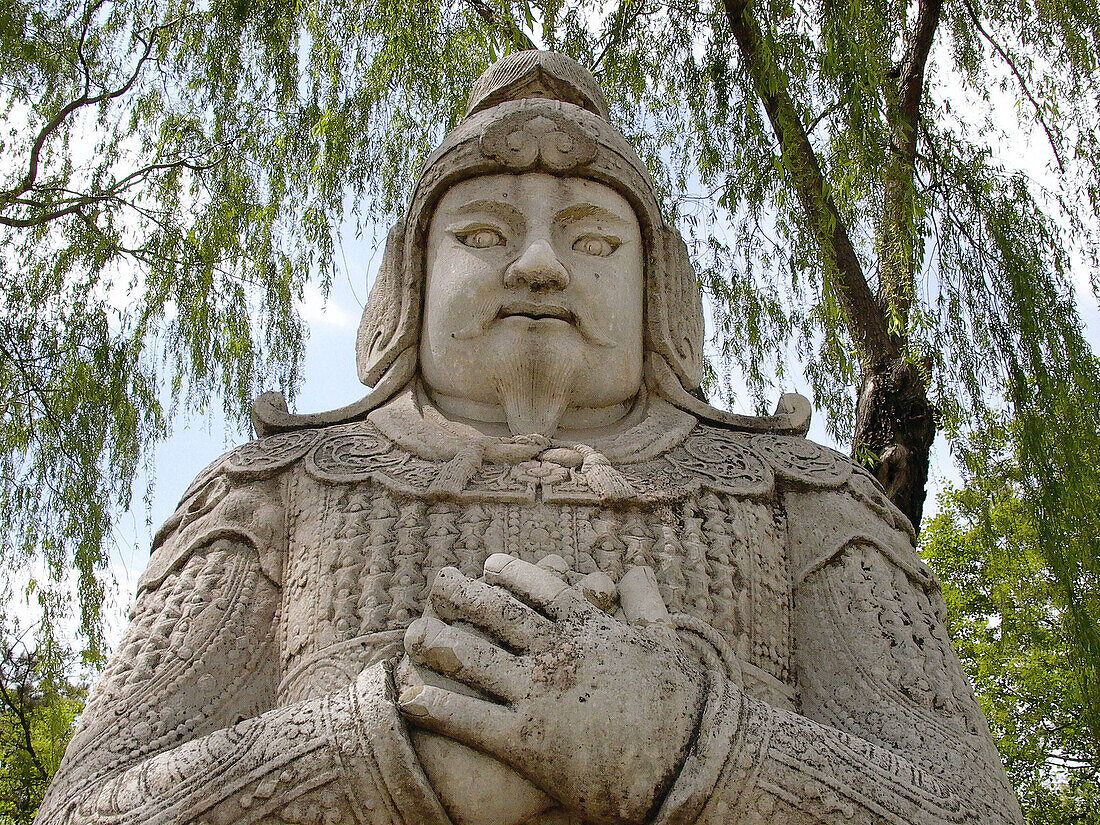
(173, 173)
(38, 710)
(1017, 626)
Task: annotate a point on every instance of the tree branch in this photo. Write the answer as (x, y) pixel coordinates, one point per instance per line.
(17, 705)
(38, 391)
(911, 83)
(26, 223)
(85, 99)
(866, 322)
(77, 203)
(897, 232)
(625, 16)
(1007, 58)
(501, 23)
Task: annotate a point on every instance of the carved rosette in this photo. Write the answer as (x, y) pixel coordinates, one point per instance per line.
(266, 456)
(803, 462)
(548, 139)
(725, 461)
(348, 455)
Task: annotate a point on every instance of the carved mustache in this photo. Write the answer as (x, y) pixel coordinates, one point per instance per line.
(489, 312)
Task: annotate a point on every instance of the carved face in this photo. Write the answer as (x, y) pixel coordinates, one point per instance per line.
(534, 268)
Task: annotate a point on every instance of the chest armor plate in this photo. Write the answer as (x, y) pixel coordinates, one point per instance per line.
(372, 521)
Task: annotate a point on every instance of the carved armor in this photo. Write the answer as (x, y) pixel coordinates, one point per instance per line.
(294, 563)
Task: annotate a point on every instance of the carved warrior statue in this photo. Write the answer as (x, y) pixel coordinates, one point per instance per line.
(531, 578)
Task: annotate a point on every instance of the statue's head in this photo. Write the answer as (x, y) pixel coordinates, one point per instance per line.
(534, 259)
(534, 230)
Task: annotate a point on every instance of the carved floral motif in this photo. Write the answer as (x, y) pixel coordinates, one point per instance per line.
(351, 453)
(802, 461)
(725, 460)
(267, 456)
(521, 141)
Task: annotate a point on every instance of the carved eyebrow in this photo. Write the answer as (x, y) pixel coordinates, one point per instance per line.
(580, 211)
(504, 211)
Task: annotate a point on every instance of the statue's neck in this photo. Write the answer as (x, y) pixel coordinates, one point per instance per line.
(491, 419)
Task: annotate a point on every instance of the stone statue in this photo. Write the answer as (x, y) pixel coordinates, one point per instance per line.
(531, 577)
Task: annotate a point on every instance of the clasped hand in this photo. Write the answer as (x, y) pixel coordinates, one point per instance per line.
(595, 711)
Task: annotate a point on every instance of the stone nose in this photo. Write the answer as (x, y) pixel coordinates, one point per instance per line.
(538, 269)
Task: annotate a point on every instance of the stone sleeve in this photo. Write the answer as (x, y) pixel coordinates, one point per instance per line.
(181, 727)
(887, 729)
(780, 768)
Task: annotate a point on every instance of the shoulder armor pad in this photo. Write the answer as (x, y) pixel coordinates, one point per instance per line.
(219, 506)
(261, 458)
(348, 452)
(822, 526)
(749, 464)
(264, 457)
(801, 462)
(724, 461)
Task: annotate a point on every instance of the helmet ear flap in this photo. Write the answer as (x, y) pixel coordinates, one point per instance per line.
(391, 318)
(675, 309)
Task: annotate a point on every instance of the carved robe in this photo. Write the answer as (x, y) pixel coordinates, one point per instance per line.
(252, 685)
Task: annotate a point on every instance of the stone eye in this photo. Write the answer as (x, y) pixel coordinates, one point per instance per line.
(481, 238)
(598, 246)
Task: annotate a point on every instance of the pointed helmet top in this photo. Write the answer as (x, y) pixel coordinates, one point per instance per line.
(535, 74)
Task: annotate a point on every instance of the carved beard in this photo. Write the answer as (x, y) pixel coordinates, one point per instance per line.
(535, 383)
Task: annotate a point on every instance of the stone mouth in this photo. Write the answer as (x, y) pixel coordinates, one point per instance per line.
(537, 311)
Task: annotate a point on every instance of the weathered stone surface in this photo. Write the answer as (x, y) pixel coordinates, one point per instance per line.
(531, 578)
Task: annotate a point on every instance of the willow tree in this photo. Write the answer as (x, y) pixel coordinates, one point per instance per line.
(1013, 629)
(174, 172)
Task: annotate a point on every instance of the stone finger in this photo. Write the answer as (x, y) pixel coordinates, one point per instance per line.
(598, 588)
(641, 598)
(556, 565)
(537, 587)
(464, 657)
(455, 597)
(478, 723)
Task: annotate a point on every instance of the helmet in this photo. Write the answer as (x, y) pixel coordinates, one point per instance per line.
(535, 111)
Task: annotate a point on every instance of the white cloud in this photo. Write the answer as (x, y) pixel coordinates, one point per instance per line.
(316, 310)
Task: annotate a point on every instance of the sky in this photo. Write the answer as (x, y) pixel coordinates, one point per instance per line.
(330, 381)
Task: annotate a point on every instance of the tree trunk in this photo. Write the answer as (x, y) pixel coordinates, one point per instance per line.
(896, 423)
(894, 420)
